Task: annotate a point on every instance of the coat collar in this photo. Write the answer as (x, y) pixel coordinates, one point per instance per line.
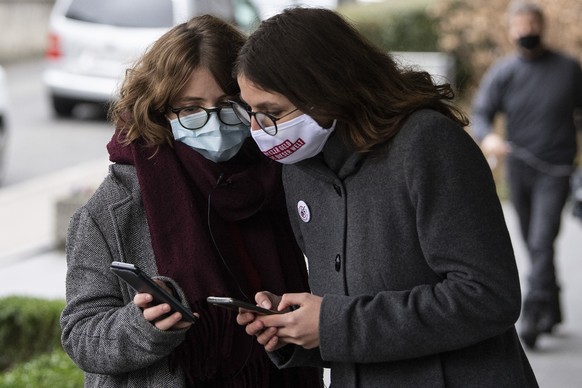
(336, 161)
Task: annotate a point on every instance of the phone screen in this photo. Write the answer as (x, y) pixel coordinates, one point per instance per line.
(141, 282)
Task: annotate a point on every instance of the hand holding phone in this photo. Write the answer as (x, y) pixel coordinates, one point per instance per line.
(141, 282)
(235, 304)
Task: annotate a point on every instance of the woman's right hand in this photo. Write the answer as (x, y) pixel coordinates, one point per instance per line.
(158, 314)
(253, 327)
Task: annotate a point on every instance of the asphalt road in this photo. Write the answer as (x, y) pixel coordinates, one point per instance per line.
(38, 142)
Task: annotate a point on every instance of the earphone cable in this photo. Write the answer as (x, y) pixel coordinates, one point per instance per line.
(220, 254)
(231, 274)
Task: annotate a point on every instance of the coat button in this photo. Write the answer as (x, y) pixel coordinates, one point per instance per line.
(338, 190)
(338, 263)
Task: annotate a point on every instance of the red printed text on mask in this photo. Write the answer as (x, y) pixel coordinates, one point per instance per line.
(284, 149)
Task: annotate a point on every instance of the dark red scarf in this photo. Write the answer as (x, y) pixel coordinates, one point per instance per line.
(248, 222)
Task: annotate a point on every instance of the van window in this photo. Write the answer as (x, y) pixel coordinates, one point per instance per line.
(246, 15)
(241, 13)
(123, 13)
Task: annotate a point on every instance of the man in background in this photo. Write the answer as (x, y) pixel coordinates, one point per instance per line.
(538, 90)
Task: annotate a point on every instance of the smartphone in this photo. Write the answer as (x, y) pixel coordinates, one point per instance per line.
(141, 282)
(235, 304)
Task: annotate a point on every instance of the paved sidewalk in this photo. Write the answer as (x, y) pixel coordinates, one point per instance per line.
(557, 362)
(27, 209)
(30, 264)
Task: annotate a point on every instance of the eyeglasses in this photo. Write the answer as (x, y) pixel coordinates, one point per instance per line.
(195, 117)
(267, 122)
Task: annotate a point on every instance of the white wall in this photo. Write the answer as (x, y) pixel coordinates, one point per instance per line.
(440, 65)
(23, 24)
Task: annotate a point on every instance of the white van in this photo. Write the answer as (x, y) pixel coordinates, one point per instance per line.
(93, 42)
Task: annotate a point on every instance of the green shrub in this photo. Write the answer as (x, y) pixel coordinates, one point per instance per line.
(394, 26)
(28, 327)
(46, 371)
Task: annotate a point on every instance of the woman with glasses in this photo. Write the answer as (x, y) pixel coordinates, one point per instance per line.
(411, 268)
(192, 202)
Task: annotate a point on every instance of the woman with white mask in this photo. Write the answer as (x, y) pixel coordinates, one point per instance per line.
(192, 201)
(412, 274)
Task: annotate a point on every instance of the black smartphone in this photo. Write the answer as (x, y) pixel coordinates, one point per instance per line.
(235, 304)
(141, 282)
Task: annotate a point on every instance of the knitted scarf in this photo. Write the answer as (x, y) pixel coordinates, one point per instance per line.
(220, 229)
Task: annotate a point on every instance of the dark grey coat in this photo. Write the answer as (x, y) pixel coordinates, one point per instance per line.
(408, 247)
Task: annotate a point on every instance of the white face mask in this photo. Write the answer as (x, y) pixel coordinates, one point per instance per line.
(296, 140)
(215, 141)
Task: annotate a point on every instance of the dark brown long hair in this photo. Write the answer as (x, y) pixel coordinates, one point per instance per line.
(328, 70)
(159, 75)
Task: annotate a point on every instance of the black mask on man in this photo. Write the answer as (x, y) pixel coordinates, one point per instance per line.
(529, 42)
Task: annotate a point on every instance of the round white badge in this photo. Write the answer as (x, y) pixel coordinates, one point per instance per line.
(303, 211)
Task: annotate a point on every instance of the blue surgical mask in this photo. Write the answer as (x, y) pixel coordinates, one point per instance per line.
(215, 141)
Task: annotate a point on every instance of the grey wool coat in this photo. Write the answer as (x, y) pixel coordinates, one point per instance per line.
(409, 249)
(115, 347)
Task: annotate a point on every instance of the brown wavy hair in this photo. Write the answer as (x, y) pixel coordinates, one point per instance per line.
(328, 70)
(157, 77)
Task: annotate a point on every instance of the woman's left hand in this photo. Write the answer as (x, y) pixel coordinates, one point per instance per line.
(299, 327)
